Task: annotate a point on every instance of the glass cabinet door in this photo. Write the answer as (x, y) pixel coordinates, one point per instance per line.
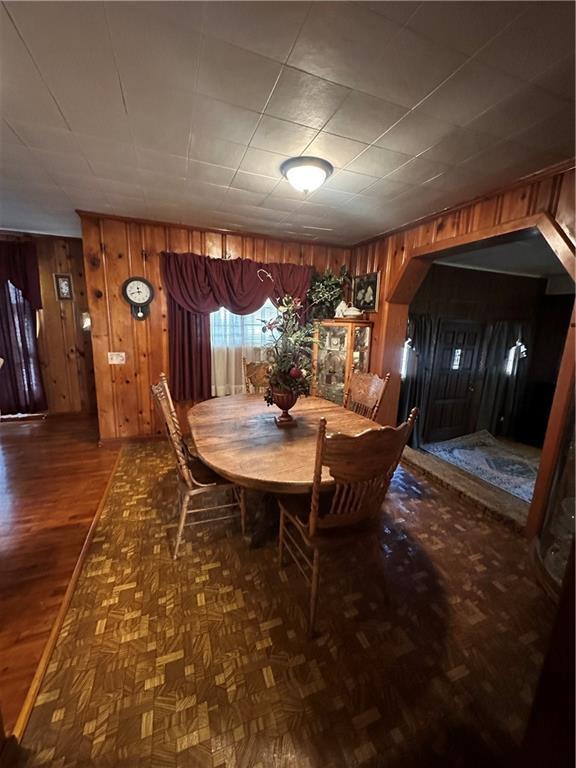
(361, 349)
(331, 362)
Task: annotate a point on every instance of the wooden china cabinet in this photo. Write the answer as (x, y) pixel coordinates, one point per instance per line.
(341, 346)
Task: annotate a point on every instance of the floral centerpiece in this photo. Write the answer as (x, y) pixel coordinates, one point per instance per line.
(289, 351)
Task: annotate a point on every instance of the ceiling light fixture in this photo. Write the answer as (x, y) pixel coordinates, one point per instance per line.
(306, 174)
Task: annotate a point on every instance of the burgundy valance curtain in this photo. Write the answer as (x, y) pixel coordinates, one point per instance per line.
(197, 285)
(19, 265)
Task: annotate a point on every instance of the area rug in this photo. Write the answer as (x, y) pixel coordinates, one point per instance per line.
(491, 460)
(205, 662)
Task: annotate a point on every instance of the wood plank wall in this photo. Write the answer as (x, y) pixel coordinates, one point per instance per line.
(114, 249)
(65, 350)
(552, 193)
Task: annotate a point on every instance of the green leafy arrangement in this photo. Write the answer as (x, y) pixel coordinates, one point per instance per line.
(327, 291)
(289, 349)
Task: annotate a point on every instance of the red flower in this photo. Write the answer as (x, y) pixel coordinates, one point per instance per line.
(295, 373)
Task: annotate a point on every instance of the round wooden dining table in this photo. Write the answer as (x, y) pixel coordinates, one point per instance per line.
(237, 437)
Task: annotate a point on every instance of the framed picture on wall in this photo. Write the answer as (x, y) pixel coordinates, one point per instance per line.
(63, 285)
(365, 292)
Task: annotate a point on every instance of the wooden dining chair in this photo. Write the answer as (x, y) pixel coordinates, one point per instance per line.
(195, 479)
(256, 377)
(362, 466)
(364, 393)
(189, 446)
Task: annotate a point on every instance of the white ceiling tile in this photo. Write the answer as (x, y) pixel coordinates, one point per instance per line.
(213, 174)
(336, 149)
(287, 191)
(253, 182)
(543, 34)
(399, 11)
(162, 127)
(269, 29)
(387, 188)
(555, 135)
(332, 197)
(105, 150)
(364, 117)
(116, 172)
(559, 78)
(223, 121)
(472, 90)
(235, 197)
(459, 145)
(62, 162)
(8, 136)
(338, 42)
(378, 162)
(281, 136)
(418, 171)
(346, 181)
(414, 133)
(522, 109)
(236, 76)
(161, 162)
(305, 99)
(155, 44)
(61, 56)
(464, 26)
(424, 66)
(265, 163)
(43, 137)
(216, 151)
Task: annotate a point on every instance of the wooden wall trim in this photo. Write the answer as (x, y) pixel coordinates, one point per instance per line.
(558, 170)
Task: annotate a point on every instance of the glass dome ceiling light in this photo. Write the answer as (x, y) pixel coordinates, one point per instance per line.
(306, 174)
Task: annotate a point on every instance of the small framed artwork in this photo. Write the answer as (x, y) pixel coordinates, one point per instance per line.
(365, 292)
(63, 285)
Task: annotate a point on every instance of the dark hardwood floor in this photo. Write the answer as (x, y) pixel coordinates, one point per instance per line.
(52, 478)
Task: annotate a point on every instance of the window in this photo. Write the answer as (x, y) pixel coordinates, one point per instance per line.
(233, 337)
(456, 358)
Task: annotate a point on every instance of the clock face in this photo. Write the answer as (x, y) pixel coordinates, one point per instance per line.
(138, 291)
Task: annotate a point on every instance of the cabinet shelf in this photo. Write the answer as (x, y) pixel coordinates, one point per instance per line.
(341, 347)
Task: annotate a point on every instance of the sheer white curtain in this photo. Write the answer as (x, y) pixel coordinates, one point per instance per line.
(232, 337)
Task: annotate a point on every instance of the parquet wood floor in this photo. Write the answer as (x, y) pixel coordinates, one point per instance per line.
(52, 477)
(432, 638)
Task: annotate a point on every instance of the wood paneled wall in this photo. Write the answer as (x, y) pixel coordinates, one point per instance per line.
(553, 193)
(65, 350)
(116, 248)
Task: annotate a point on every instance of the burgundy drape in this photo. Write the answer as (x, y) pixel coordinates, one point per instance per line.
(198, 285)
(18, 264)
(21, 389)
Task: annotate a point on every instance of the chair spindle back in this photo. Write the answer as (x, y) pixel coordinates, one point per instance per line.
(362, 466)
(364, 393)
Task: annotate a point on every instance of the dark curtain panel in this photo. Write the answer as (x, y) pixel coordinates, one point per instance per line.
(189, 353)
(416, 385)
(19, 265)
(21, 389)
(198, 285)
(502, 392)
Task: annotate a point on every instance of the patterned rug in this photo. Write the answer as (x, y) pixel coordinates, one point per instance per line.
(432, 635)
(496, 462)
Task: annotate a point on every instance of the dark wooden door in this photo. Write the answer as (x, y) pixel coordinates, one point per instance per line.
(452, 404)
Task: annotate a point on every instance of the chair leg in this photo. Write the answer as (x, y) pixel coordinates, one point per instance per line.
(243, 510)
(183, 509)
(281, 537)
(314, 591)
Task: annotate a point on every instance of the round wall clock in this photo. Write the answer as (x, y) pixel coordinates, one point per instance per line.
(138, 292)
